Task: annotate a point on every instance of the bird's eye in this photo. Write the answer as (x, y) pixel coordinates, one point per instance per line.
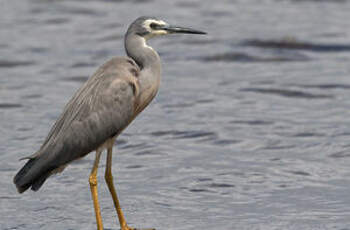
(153, 25)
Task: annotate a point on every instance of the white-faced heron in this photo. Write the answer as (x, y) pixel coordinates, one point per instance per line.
(100, 110)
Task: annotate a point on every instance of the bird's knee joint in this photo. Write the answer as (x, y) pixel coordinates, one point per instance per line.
(108, 176)
(93, 181)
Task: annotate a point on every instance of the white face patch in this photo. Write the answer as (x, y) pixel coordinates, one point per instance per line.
(153, 33)
(145, 45)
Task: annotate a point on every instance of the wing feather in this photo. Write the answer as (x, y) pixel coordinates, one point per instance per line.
(99, 110)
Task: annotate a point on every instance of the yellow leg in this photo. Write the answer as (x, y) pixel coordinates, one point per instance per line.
(93, 187)
(109, 181)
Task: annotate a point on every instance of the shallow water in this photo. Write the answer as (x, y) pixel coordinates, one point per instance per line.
(250, 129)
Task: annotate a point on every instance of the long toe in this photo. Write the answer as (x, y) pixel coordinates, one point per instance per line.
(129, 228)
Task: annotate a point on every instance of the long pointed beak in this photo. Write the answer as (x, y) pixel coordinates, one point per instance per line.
(182, 30)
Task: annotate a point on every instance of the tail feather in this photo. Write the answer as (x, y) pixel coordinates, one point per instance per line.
(40, 181)
(23, 185)
(31, 175)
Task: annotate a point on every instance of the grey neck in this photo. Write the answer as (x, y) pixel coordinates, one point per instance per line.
(149, 63)
(143, 55)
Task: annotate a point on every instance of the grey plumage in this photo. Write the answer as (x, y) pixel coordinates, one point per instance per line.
(100, 110)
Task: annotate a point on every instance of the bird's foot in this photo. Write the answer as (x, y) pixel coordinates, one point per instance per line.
(129, 228)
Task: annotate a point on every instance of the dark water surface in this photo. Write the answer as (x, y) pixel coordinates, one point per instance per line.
(250, 129)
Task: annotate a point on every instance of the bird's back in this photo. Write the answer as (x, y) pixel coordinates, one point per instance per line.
(104, 104)
(98, 111)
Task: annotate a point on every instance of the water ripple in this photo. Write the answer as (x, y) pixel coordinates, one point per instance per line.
(82, 11)
(252, 122)
(83, 64)
(222, 142)
(37, 49)
(10, 105)
(243, 57)
(287, 93)
(318, 1)
(131, 1)
(46, 208)
(185, 134)
(15, 63)
(323, 86)
(76, 78)
(196, 190)
(308, 134)
(134, 166)
(134, 146)
(300, 173)
(292, 43)
(221, 185)
(147, 153)
(341, 154)
(179, 105)
(56, 21)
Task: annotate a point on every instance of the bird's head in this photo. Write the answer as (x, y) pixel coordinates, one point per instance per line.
(149, 27)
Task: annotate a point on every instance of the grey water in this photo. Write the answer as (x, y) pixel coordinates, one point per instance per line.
(250, 129)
